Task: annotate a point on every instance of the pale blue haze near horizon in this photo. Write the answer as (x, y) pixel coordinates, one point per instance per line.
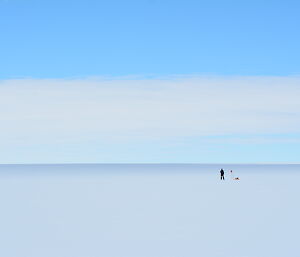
(149, 81)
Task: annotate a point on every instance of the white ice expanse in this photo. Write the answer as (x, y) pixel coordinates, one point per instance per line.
(149, 211)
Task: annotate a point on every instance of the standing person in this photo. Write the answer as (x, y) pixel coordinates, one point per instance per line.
(222, 174)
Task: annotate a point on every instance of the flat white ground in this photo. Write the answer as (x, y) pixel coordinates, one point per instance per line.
(150, 215)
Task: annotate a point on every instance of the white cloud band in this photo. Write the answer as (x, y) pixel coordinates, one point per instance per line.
(113, 109)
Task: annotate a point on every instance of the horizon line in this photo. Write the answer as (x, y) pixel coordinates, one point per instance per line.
(157, 163)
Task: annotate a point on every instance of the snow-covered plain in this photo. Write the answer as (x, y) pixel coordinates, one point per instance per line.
(149, 211)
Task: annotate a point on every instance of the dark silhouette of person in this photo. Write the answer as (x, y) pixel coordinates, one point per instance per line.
(222, 174)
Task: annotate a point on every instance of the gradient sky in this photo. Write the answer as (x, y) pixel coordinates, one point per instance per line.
(71, 38)
(125, 81)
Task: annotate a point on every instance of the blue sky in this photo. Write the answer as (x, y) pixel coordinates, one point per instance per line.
(91, 38)
(149, 81)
